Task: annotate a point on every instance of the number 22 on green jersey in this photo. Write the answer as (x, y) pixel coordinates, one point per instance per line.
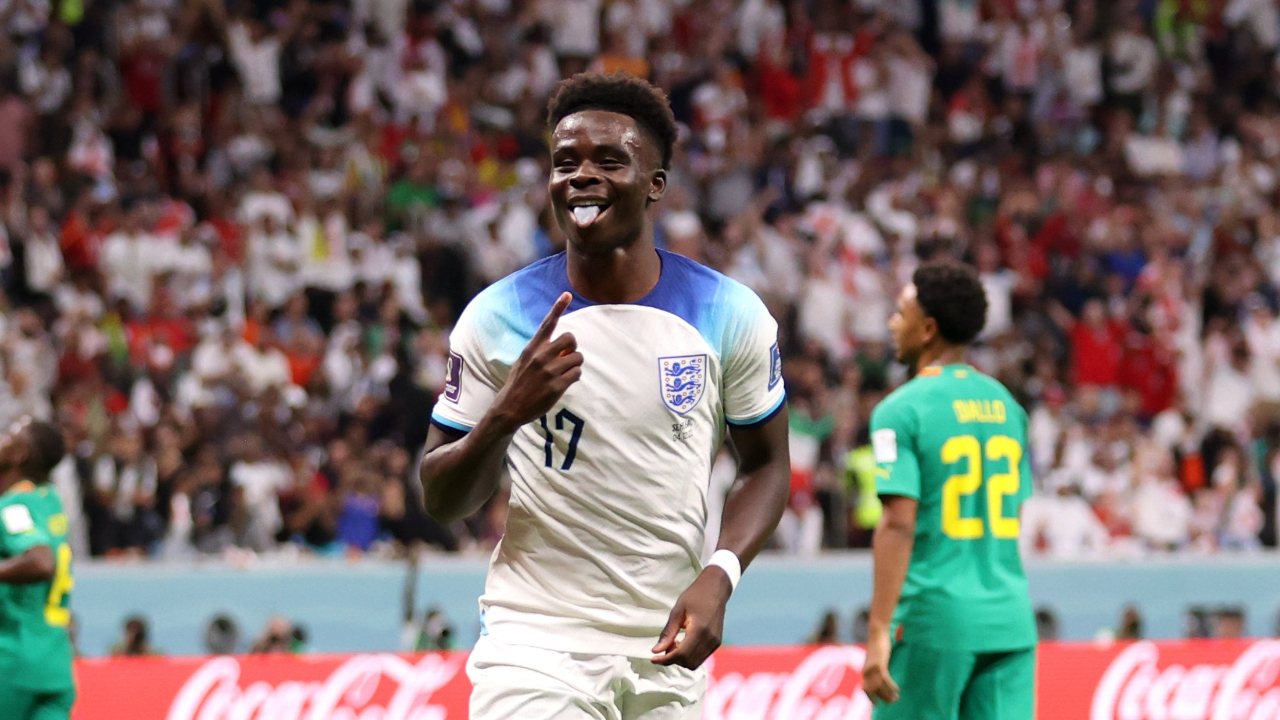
(977, 463)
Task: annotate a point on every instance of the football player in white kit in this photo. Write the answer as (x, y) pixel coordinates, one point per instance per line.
(601, 382)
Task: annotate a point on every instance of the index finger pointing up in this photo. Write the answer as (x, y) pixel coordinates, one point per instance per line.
(548, 325)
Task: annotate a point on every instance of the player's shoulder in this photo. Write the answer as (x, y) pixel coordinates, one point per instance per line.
(999, 391)
(503, 317)
(722, 309)
(50, 499)
(23, 493)
(692, 278)
(903, 400)
(518, 296)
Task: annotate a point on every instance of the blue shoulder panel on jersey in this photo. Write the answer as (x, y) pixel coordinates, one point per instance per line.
(510, 310)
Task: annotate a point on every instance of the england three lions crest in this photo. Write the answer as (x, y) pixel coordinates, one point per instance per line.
(683, 380)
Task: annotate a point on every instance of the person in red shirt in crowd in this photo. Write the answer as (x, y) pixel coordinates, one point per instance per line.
(219, 215)
(80, 237)
(781, 92)
(1097, 348)
(165, 325)
(1149, 369)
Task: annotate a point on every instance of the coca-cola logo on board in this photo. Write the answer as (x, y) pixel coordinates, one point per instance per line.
(353, 691)
(826, 685)
(1135, 687)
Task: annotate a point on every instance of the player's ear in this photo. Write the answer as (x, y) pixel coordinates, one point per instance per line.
(929, 330)
(657, 185)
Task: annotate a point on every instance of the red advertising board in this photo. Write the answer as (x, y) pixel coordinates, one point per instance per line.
(1195, 680)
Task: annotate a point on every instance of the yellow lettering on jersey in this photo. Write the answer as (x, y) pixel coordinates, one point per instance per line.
(55, 615)
(58, 525)
(980, 411)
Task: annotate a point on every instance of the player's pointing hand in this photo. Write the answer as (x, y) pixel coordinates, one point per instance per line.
(542, 374)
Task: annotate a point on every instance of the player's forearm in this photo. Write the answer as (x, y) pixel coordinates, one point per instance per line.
(33, 566)
(752, 512)
(458, 478)
(891, 547)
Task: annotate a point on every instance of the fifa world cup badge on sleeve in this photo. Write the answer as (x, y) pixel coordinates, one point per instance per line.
(683, 380)
(17, 519)
(775, 366)
(885, 445)
(453, 378)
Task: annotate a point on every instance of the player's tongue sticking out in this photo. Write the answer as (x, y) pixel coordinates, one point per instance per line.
(584, 215)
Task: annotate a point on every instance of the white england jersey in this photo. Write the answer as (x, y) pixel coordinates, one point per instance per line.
(609, 489)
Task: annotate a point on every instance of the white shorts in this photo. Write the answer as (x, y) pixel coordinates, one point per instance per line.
(517, 682)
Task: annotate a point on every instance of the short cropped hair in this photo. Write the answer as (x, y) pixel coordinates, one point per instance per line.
(47, 450)
(952, 294)
(621, 93)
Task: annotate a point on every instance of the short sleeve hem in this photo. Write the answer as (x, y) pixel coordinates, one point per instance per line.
(445, 423)
(762, 418)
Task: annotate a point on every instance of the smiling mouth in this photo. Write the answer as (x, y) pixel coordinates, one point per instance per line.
(586, 215)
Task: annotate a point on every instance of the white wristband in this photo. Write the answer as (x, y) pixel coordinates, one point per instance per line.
(727, 561)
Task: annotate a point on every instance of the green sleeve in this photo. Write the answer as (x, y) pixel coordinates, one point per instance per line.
(1026, 482)
(893, 439)
(19, 529)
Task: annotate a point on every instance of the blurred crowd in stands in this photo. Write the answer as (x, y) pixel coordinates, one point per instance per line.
(234, 235)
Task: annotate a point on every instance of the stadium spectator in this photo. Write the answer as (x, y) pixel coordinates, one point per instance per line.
(134, 642)
(279, 635)
(222, 636)
(828, 630)
(1130, 627)
(221, 220)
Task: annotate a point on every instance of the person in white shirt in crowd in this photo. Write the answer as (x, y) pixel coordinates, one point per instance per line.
(575, 29)
(29, 363)
(263, 365)
(259, 478)
(1047, 428)
(824, 314)
(1229, 392)
(1262, 337)
(188, 263)
(1060, 523)
(325, 256)
(124, 485)
(274, 261)
(128, 256)
(264, 198)
(493, 258)
(256, 48)
(1134, 59)
(1161, 510)
(999, 283)
(215, 367)
(45, 268)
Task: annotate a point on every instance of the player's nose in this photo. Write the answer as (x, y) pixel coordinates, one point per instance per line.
(584, 175)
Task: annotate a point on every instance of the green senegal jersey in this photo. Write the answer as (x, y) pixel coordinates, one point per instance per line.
(35, 650)
(955, 440)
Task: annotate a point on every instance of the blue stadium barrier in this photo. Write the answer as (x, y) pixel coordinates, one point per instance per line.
(349, 606)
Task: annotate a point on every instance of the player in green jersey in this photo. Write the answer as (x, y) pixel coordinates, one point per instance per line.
(951, 620)
(35, 578)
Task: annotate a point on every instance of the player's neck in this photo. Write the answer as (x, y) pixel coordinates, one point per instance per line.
(622, 275)
(9, 479)
(943, 354)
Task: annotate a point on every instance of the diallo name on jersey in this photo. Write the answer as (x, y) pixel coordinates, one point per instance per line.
(979, 411)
